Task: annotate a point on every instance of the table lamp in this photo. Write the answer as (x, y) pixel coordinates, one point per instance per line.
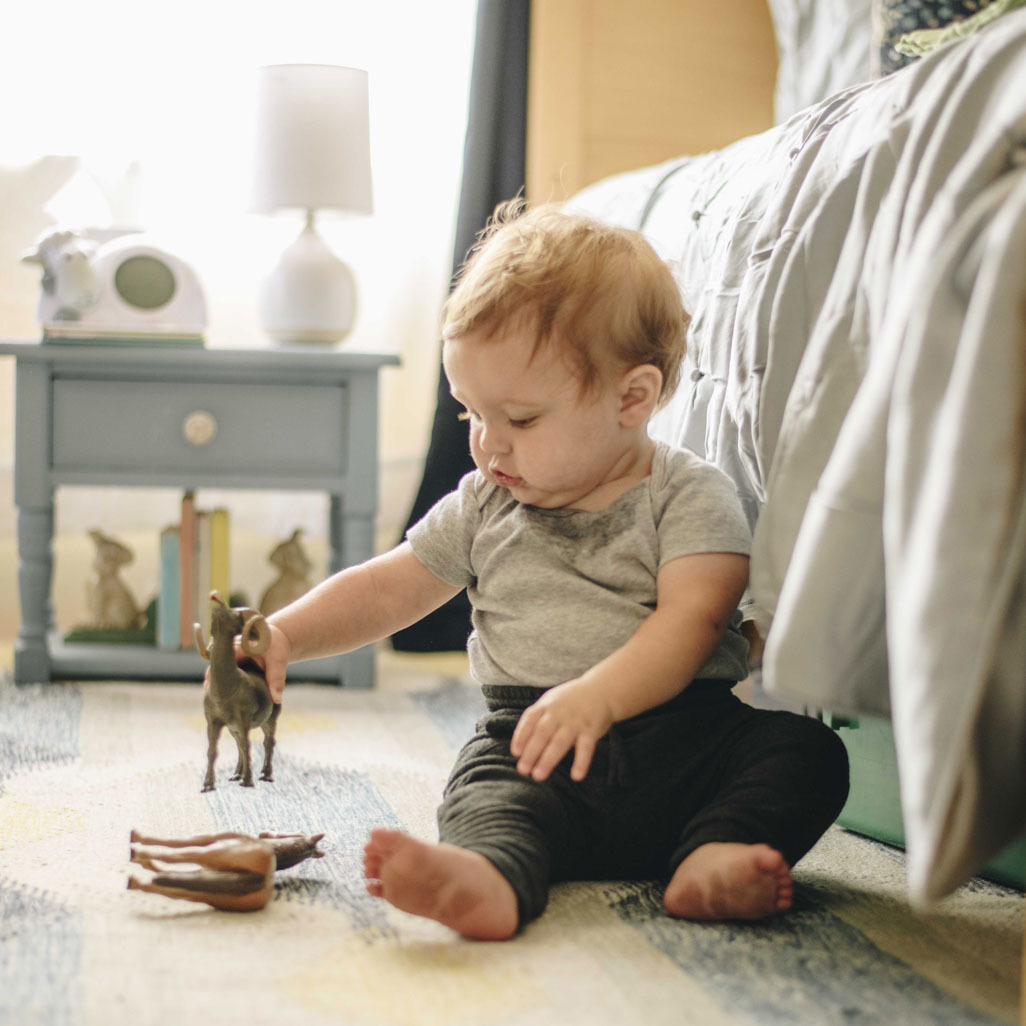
(312, 153)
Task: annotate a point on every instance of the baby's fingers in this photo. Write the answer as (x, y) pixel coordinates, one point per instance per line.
(539, 766)
(522, 732)
(528, 743)
(535, 734)
(584, 749)
(532, 732)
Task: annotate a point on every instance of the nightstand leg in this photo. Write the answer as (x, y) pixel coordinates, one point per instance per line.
(35, 574)
(335, 531)
(358, 668)
(352, 541)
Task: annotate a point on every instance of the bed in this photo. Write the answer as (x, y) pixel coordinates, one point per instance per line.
(856, 277)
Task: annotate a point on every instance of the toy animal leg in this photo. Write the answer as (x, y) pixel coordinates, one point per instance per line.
(289, 848)
(237, 775)
(213, 733)
(173, 885)
(241, 736)
(189, 842)
(269, 729)
(246, 856)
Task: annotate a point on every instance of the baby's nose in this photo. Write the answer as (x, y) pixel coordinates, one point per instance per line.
(492, 440)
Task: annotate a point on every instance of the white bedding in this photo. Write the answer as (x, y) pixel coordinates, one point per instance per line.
(857, 280)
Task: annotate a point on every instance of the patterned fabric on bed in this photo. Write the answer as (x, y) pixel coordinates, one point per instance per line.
(893, 19)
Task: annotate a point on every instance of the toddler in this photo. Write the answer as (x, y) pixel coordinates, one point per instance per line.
(604, 572)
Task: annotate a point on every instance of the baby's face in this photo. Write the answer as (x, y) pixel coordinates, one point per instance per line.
(532, 429)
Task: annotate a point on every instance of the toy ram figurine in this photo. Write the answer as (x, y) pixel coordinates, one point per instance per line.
(232, 871)
(237, 696)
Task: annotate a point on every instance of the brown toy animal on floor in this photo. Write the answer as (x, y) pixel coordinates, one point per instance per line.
(234, 871)
(237, 697)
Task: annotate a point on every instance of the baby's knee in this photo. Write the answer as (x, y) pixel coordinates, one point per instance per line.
(828, 767)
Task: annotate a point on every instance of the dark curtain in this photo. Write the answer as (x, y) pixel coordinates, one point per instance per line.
(493, 171)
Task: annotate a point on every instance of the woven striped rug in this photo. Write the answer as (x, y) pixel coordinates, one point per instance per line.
(82, 765)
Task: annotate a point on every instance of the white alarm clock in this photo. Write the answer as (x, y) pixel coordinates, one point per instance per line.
(125, 288)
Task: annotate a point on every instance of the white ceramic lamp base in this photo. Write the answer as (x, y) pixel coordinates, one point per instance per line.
(310, 296)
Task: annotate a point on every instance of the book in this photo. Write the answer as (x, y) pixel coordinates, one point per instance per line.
(186, 570)
(201, 572)
(168, 606)
(219, 565)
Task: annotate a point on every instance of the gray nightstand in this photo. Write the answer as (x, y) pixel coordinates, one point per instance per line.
(186, 417)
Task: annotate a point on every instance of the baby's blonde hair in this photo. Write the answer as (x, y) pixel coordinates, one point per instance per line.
(598, 289)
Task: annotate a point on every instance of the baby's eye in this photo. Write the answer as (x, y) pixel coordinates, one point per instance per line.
(522, 422)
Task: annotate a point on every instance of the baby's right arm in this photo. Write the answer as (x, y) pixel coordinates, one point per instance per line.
(354, 607)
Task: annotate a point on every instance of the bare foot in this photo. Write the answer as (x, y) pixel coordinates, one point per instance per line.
(456, 887)
(730, 881)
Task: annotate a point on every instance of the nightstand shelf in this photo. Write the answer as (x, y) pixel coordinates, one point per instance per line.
(89, 661)
(303, 418)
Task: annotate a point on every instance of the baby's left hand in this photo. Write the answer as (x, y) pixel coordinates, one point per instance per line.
(571, 715)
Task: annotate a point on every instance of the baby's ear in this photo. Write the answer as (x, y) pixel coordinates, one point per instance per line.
(639, 393)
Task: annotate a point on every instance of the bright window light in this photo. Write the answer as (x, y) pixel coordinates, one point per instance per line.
(157, 101)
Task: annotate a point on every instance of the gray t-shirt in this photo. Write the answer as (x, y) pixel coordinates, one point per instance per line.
(555, 591)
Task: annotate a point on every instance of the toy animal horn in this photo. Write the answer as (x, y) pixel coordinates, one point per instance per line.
(201, 645)
(256, 634)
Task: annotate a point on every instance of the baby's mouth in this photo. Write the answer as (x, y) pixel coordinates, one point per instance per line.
(505, 480)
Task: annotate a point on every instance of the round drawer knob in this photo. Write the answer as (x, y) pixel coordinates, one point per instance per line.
(199, 428)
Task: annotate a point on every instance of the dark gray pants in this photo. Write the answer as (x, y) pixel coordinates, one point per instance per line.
(702, 767)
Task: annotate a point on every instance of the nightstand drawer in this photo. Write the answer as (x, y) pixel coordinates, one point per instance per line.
(114, 425)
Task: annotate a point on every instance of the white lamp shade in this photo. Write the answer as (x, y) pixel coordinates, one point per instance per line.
(312, 139)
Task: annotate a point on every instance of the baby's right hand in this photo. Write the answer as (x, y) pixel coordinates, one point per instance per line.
(275, 661)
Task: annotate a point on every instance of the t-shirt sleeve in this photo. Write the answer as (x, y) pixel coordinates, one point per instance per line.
(443, 538)
(698, 511)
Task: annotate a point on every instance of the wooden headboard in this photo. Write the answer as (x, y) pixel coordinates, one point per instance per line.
(616, 85)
